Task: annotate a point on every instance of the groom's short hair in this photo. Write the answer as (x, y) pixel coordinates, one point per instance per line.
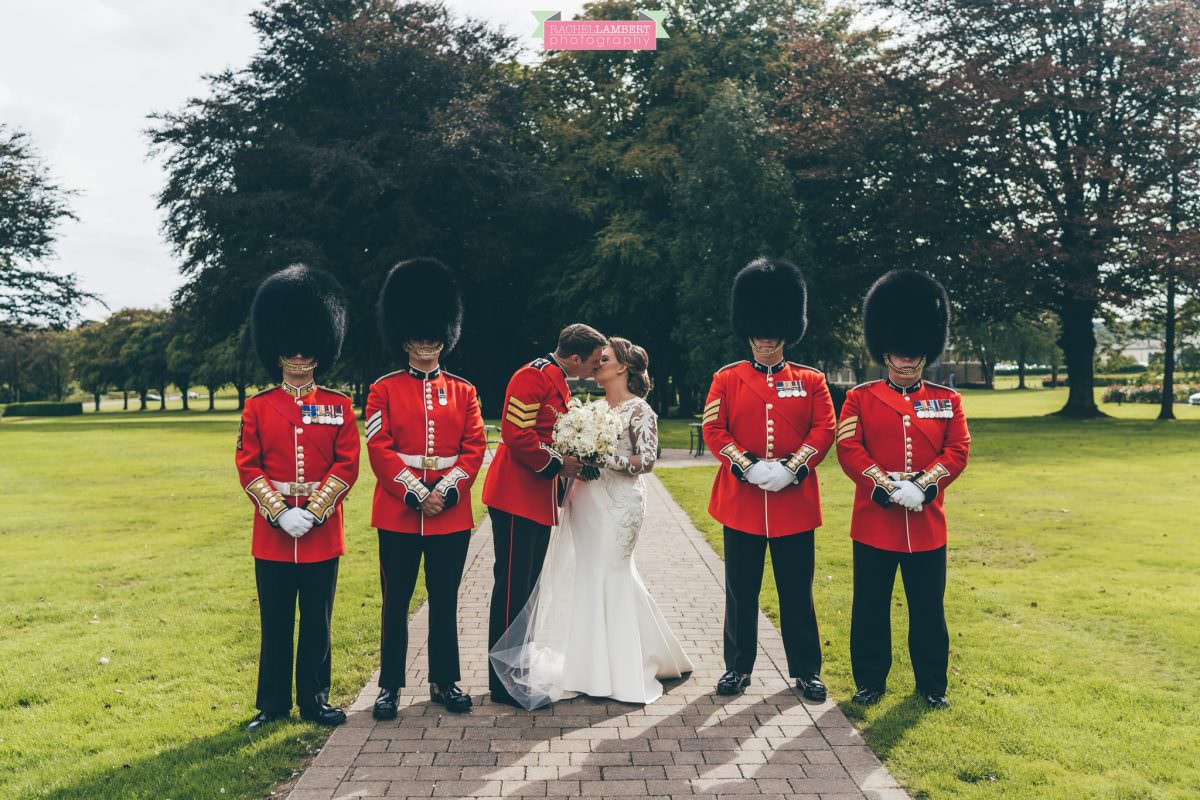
(579, 340)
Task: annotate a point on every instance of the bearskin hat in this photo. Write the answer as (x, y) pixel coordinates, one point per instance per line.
(908, 313)
(420, 299)
(298, 310)
(770, 301)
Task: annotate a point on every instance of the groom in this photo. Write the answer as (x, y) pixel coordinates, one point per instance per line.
(520, 490)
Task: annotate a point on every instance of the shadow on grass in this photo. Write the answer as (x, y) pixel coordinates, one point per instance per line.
(232, 763)
(887, 731)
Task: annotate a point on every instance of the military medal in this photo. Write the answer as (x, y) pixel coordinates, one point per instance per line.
(442, 396)
(933, 409)
(322, 415)
(790, 389)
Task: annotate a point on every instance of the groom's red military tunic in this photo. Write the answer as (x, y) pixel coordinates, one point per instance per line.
(755, 412)
(424, 434)
(298, 451)
(520, 480)
(921, 433)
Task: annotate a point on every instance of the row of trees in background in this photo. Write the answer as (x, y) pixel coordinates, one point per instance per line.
(1041, 157)
(135, 351)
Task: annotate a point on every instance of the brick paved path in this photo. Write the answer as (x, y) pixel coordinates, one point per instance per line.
(768, 743)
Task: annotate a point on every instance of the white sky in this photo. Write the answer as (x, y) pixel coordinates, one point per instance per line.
(80, 76)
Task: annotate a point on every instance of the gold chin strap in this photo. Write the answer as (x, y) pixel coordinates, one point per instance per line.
(907, 372)
(424, 352)
(765, 351)
(294, 367)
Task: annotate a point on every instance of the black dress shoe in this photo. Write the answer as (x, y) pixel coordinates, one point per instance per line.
(324, 714)
(262, 718)
(385, 704)
(452, 697)
(733, 682)
(935, 700)
(867, 697)
(503, 698)
(812, 688)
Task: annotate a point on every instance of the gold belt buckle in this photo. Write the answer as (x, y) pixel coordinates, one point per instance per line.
(299, 489)
(430, 462)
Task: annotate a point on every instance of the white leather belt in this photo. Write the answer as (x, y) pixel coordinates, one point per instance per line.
(295, 489)
(429, 462)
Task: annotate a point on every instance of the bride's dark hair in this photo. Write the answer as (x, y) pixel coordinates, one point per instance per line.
(637, 363)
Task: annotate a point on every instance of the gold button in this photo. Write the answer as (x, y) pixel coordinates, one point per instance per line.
(770, 406)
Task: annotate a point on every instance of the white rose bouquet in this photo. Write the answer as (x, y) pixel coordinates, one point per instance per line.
(590, 432)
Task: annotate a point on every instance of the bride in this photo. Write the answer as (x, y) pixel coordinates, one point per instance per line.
(590, 627)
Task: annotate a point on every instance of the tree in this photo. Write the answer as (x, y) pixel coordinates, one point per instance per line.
(1049, 114)
(733, 202)
(144, 356)
(612, 129)
(35, 364)
(360, 133)
(1030, 339)
(96, 359)
(31, 207)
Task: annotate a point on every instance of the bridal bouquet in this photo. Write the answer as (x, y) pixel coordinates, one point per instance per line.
(588, 431)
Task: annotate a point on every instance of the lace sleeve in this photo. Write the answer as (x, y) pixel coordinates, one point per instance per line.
(643, 439)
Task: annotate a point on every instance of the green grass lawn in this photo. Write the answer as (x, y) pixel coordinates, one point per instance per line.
(126, 537)
(1073, 597)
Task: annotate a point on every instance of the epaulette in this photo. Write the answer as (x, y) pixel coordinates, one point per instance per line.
(540, 363)
(866, 383)
(452, 376)
(264, 391)
(390, 374)
(940, 386)
(334, 391)
(732, 364)
(804, 366)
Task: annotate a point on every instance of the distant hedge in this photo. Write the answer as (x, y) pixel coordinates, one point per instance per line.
(43, 409)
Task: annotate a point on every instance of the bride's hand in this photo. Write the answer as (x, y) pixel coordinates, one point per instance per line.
(571, 468)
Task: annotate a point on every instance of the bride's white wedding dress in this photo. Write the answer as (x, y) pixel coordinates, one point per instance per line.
(590, 627)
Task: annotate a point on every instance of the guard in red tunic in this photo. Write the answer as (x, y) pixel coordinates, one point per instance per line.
(902, 440)
(521, 487)
(770, 422)
(426, 441)
(297, 457)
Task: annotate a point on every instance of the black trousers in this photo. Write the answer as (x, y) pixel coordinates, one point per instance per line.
(792, 558)
(520, 546)
(924, 576)
(399, 559)
(280, 583)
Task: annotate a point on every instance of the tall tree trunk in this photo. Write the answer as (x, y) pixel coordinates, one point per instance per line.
(96, 397)
(141, 399)
(1167, 409)
(183, 391)
(1078, 342)
(126, 393)
(241, 390)
(162, 397)
(1021, 372)
(212, 399)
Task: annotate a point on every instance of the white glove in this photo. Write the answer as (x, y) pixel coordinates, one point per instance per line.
(296, 522)
(908, 495)
(781, 478)
(759, 472)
